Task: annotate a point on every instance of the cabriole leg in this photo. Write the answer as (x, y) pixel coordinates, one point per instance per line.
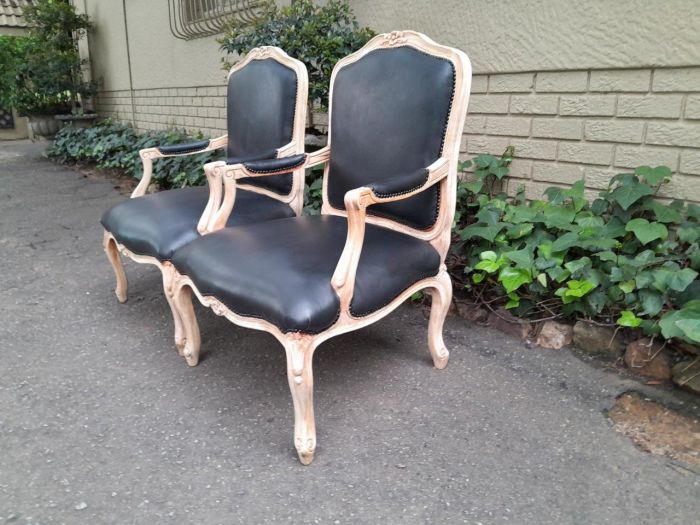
(168, 272)
(300, 351)
(441, 295)
(110, 247)
(182, 300)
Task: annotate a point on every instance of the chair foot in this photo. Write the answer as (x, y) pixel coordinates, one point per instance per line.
(191, 343)
(441, 294)
(300, 351)
(168, 271)
(110, 247)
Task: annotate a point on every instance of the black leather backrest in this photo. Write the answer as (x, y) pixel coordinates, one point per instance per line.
(388, 118)
(261, 102)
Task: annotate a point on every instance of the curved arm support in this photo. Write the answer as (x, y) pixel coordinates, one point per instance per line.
(148, 154)
(356, 203)
(213, 172)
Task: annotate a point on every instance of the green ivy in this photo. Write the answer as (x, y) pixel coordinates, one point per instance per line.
(113, 145)
(623, 259)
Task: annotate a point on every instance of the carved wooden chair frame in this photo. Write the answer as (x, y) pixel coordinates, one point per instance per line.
(300, 347)
(214, 172)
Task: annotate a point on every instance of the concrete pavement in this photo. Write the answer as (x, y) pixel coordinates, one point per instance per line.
(101, 422)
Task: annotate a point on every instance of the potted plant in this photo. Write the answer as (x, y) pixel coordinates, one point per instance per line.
(49, 77)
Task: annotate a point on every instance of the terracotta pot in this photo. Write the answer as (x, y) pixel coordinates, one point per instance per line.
(44, 125)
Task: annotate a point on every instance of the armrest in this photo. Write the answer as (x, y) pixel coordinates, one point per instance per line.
(182, 149)
(148, 154)
(273, 166)
(356, 203)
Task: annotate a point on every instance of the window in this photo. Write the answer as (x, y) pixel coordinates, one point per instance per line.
(191, 19)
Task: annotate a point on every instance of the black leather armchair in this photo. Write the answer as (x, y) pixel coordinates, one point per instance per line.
(266, 108)
(396, 116)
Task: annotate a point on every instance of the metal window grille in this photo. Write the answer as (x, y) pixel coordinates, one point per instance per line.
(190, 19)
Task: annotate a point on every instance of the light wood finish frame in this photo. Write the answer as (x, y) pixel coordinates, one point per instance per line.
(300, 347)
(215, 172)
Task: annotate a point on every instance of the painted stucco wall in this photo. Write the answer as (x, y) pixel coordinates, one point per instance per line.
(581, 89)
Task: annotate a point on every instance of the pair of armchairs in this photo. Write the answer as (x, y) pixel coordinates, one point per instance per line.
(397, 109)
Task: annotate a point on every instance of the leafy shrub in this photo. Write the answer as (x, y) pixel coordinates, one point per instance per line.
(116, 146)
(318, 35)
(624, 259)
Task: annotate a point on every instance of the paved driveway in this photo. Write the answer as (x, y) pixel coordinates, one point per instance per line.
(101, 422)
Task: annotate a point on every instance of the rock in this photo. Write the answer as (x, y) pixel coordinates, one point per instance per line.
(506, 322)
(686, 374)
(555, 335)
(472, 312)
(598, 340)
(649, 360)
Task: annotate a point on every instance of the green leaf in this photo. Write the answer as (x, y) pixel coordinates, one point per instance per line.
(577, 264)
(690, 328)
(651, 301)
(689, 232)
(474, 187)
(646, 231)
(654, 176)
(664, 213)
(522, 258)
(488, 256)
(627, 195)
(519, 230)
(607, 256)
(628, 319)
(627, 286)
(680, 280)
(513, 278)
(670, 329)
(485, 232)
(558, 216)
(478, 277)
(565, 242)
(542, 279)
(487, 266)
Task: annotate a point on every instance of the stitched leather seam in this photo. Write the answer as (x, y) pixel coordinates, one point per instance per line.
(403, 192)
(365, 314)
(282, 170)
(186, 150)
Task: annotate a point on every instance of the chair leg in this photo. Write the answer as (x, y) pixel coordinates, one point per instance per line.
(110, 247)
(300, 351)
(182, 300)
(168, 272)
(441, 297)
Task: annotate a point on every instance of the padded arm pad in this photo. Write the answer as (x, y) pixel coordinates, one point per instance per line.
(396, 186)
(283, 164)
(180, 149)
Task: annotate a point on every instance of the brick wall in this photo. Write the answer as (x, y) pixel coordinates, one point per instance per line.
(564, 125)
(592, 124)
(200, 108)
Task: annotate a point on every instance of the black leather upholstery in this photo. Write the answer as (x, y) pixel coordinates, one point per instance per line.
(281, 271)
(160, 223)
(389, 115)
(273, 165)
(261, 104)
(178, 149)
(401, 184)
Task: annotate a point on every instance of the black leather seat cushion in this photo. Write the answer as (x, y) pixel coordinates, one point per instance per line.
(160, 223)
(281, 271)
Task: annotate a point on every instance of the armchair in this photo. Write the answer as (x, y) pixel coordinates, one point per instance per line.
(266, 112)
(397, 109)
